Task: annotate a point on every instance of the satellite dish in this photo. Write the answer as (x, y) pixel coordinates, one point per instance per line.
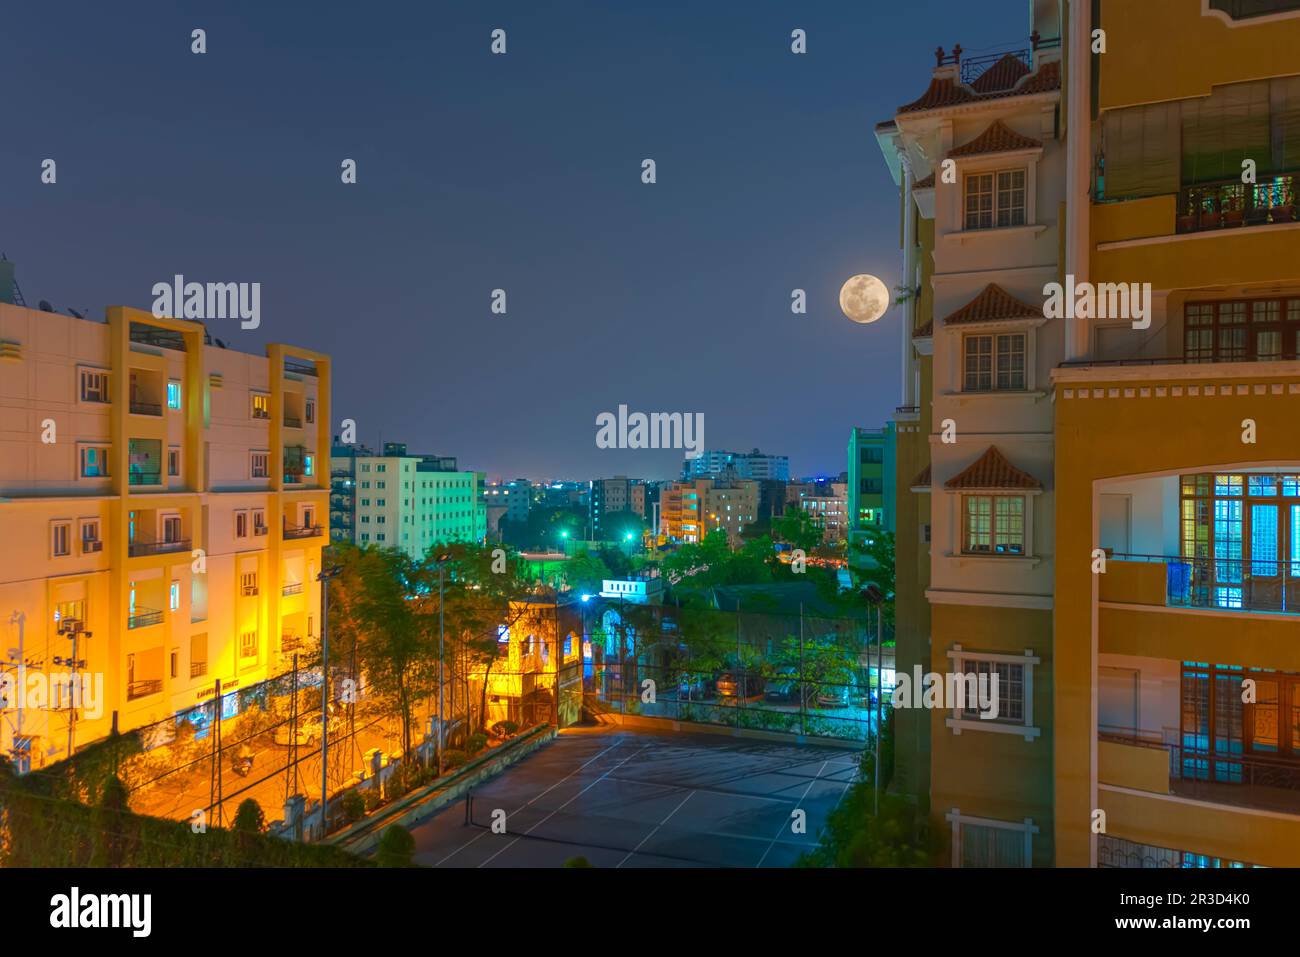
(44, 306)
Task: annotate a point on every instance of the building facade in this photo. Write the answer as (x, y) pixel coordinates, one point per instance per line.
(163, 505)
(871, 490)
(745, 465)
(1098, 482)
(691, 510)
(413, 502)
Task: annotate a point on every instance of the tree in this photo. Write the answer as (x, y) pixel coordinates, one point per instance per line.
(798, 529)
(585, 572)
(249, 818)
(396, 846)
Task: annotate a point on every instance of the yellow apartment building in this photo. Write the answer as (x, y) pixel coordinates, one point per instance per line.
(163, 503)
(1103, 503)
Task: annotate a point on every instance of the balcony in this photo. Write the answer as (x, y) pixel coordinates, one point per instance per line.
(139, 407)
(301, 531)
(291, 643)
(291, 422)
(293, 588)
(140, 689)
(198, 669)
(1237, 584)
(138, 548)
(1159, 763)
(1229, 204)
(144, 617)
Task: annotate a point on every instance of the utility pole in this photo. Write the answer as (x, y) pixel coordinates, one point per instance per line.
(324, 578)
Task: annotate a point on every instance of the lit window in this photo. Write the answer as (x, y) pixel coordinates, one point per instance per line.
(173, 395)
(994, 525)
(174, 596)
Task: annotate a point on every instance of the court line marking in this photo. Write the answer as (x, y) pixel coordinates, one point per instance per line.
(540, 794)
(796, 807)
(652, 833)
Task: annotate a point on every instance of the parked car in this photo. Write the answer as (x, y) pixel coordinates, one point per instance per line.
(731, 685)
(783, 687)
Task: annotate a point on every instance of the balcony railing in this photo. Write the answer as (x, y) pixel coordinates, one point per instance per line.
(291, 643)
(198, 669)
(301, 531)
(1231, 203)
(292, 423)
(142, 548)
(1173, 360)
(144, 477)
(1218, 777)
(1248, 583)
(138, 689)
(144, 617)
(293, 588)
(1245, 9)
(145, 408)
(137, 548)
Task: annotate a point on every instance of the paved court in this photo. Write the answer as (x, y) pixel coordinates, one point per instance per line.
(639, 799)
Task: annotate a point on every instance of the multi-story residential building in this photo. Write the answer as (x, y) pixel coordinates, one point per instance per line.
(506, 501)
(618, 494)
(1177, 675)
(826, 502)
(871, 480)
(1102, 503)
(162, 509)
(343, 489)
(980, 158)
(413, 502)
(691, 510)
(745, 465)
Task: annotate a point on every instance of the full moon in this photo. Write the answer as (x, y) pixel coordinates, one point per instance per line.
(864, 298)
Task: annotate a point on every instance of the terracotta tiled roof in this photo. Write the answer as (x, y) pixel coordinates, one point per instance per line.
(925, 331)
(998, 138)
(922, 480)
(992, 471)
(948, 91)
(991, 305)
(1002, 75)
(927, 183)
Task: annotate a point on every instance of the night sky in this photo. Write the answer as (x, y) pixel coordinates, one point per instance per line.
(478, 172)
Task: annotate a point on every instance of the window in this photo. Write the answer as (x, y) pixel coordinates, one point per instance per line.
(94, 386)
(308, 517)
(1250, 330)
(261, 405)
(995, 199)
(309, 411)
(175, 662)
(259, 464)
(241, 524)
(309, 465)
(198, 655)
(90, 535)
(248, 584)
(173, 394)
(60, 539)
(173, 461)
(248, 644)
(259, 521)
(94, 461)
(1015, 692)
(994, 363)
(982, 842)
(993, 525)
(171, 528)
(174, 598)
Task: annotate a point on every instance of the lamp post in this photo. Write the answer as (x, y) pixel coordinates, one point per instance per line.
(441, 564)
(874, 596)
(324, 578)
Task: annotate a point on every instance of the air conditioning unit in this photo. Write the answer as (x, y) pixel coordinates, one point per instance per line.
(91, 546)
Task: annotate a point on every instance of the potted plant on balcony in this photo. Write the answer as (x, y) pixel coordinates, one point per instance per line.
(1283, 214)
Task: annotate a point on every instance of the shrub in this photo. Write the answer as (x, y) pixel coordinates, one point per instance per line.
(249, 818)
(476, 743)
(578, 862)
(505, 729)
(454, 759)
(372, 797)
(353, 805)
(395, 847)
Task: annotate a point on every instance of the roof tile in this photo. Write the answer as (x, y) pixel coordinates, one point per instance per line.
(998, 138)
(992, 471)
(992, 305)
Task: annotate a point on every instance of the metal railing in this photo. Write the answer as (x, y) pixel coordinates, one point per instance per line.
(142, 477)
(293, 588)
(145, 408)
(1173, 360)
(1246, 9)
(144, 617)
(1248, 583)
(138, 689)
(292, 423)
(198, 669)
(975, 67)
(137, 548)
(301, 531)
(1226, 204)
(1218, 777)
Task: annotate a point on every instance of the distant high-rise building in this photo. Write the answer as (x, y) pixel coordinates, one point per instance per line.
(690, 510)
(745, 465)
(870, 481)
(412, 502)
(618, 494)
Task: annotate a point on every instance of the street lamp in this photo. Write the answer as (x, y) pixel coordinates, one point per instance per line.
(874, 595)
